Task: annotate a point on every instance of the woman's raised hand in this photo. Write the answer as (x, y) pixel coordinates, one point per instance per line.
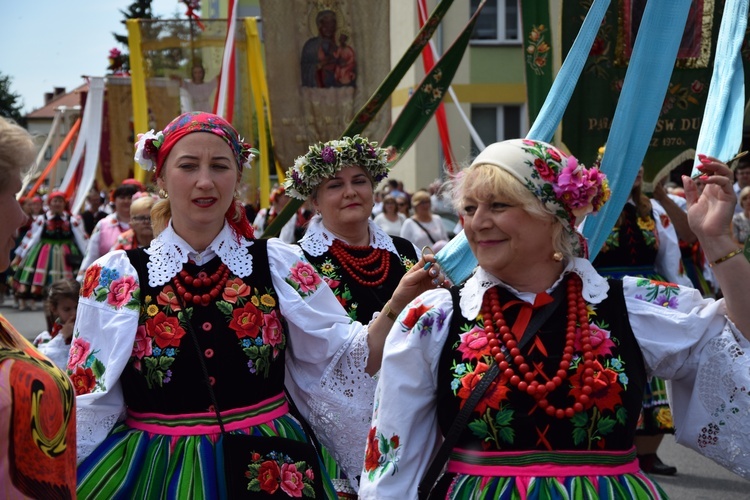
(710, 210)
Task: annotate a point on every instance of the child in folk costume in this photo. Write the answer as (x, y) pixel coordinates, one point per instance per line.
(50, 251)
(62, 302)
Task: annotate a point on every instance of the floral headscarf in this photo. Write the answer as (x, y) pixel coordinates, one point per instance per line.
(566, 188)
(323, 160)
(152, 149)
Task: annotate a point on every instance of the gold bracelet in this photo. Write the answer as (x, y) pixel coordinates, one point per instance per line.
(726, 257)
(389, 313)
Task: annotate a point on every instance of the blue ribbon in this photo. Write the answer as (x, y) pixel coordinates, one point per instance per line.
(721, 129)
(640, 103)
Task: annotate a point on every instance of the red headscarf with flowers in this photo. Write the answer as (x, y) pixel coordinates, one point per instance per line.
(152, 150)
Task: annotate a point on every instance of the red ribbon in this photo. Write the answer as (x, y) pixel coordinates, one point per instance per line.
(524, 315)
(192, 15)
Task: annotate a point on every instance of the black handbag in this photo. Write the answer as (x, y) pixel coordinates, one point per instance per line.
(259, 466)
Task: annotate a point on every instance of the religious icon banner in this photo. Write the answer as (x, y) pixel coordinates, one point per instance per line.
(324, 58)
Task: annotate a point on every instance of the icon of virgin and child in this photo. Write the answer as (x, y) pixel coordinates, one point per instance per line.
(325, 61)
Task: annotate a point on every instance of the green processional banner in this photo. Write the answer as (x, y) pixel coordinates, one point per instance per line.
(537, 46)
(588, 118)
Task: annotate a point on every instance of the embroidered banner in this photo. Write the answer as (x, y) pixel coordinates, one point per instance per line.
(537, 46)
(324, 59)
(589, 115)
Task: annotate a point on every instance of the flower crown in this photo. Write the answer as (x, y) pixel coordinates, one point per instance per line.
(562, 181)
(148, 144)
(323, 160)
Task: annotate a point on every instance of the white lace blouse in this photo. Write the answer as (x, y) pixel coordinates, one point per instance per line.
(325, 362)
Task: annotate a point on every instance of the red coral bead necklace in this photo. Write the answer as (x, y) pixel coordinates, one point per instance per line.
(202, 280)
(516, 370)
(361, 268)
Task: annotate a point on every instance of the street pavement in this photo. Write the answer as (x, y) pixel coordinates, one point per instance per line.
(698, 478)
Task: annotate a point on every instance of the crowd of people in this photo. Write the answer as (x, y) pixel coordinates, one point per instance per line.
(337, 360)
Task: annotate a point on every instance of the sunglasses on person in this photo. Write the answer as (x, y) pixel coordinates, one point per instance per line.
(141, 219)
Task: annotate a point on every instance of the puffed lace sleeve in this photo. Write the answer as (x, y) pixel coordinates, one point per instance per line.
(325, 359)
(103, 340)
(690, 342)
(405, 434)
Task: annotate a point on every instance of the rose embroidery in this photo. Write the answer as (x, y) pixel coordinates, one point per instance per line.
(83, 380)
(167, 298)
(413, 315)
(246, 322)
(79, 351)
(142, 344)
(234, 290)
(381, 453)
(91, 280)
(268, 476)
(276, 471)
(120, 291)
(474, 344)
(165, 330)
(303, 278)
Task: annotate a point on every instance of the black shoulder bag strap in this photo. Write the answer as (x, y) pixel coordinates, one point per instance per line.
(424, 229)
(435, 468)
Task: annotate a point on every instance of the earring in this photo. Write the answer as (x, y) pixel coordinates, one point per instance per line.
(557, 256)
(163, 193)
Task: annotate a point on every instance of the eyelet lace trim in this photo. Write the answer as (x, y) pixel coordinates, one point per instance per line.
(720, 387)
(318, 239)
(168, 254)
(345, 385)
(594, 286)
(91, 429)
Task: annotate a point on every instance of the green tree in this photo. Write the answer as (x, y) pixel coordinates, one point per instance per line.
(140, 9)
(10, 102)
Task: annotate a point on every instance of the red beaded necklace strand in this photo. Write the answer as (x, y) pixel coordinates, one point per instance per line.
(522, 377)
(356, 267)
(217, 281)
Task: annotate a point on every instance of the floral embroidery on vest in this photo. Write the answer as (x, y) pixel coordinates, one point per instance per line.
(495, 413)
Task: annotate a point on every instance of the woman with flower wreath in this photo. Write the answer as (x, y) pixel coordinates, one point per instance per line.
(361, 263)
(178, 345)
(644, 243)
(570, 350)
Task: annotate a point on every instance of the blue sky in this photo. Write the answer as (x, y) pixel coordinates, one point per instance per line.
(52, 43)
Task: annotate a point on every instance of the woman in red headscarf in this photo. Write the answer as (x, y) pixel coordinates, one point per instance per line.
(178, 345)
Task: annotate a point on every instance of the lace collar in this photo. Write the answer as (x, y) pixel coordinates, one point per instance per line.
(318, 239)
(595, 287)
(169, 252)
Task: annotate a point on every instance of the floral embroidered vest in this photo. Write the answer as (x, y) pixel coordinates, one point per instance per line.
(57, 228)
(360, 301)
(507, 419)
(634, 242)
(242, 338)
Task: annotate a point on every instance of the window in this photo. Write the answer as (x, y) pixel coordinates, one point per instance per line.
(499, 22)
(497, 123)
